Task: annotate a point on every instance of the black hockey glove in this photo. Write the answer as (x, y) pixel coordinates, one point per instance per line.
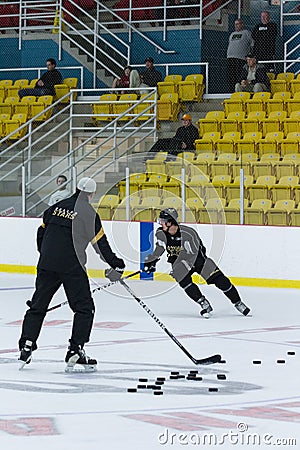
(150, 266)
(114, 274)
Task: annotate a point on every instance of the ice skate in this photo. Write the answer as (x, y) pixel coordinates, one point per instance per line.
(206, 307)
(25, 355)
(78, 361)
(242, 308)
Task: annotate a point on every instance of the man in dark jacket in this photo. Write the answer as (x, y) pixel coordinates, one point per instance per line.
(254, 77)
(187, 255)
(150, 77)
(183, 141)
(45, 85)
(68, 227)
(264, 35)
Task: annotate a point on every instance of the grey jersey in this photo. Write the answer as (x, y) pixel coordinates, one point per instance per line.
(239, 45)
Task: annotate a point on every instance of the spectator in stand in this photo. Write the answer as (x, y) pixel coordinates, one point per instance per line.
(183, 141)
(253, 77)
(150, 77)
(62, 191)
(45, 85)
(124, 81)
(240, 42)
(264, 35)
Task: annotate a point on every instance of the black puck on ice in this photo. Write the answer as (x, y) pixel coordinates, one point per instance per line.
(193, 371)
(143, 380)
(221, 376)
(291, 353)
(174, 373)
(174, 377)
(131, 390)
(280, 361)
(141, 386)
(158, 392)
(212, 389)
(256, 362)
(161, 379)
(151, 386)
(156, 388)
(159, 383)
(194, 378)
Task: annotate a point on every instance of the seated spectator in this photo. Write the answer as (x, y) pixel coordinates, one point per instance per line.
(45, 85)
(254, 77)
(183, 141)
(124, 81)
(62, 191)
(150, 77)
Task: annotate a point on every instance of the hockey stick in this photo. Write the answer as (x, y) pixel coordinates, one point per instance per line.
(209, 360)
(111, 283)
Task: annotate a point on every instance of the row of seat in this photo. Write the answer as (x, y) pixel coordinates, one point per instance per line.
(10, 124)
(190, 89)
(260, 211)
(262, 101)
(251, 142)
(10, 88)
(28, 105)
(254, 122)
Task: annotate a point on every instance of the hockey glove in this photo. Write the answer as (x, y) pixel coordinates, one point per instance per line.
(114, 274)
(150, 266)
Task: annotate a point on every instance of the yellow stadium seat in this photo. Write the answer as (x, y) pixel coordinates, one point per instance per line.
(213, 211)
(192, 88)
(119, 211)
(211, 122)
(125, 102)
(65, 87)
(291, 144)
(252, 122)
(232, 211)
(232, 122)
(207, 142)
(271, 143)
(222, 165)
(219, 183)
(232, 190)
(279, 214)
(257, 102)
(14, 124)
(198, 186)
(295, 86)
(24, 106)
(285, 188)
(273, 123)
(12, 91)
(278, 85)
(291, 123)
(228, 143)
(284, 168)
(255, 214)
(249, 142)
(201, 164)
(260, 189)
(106, 205)
(278, 102)
(169, 85)
(155, 166)
(148, 210)
(293, 104)
(236, 102)
(135, 180)
(103, 111)
(168, 107)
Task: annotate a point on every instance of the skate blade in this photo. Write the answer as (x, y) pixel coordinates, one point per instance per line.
(205, 315)
(22, 364)
(81, 368)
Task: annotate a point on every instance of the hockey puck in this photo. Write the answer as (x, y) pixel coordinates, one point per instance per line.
(173, 377)
(193, 371)
(131, 390)
(212, 389)
(194, 378)
(156, 388)
(180, 376)
(151, 386)
(158, 392)
(141, 386)
(256, 362)
(174, 373)
(143, 380)
(221, 376)
(159, 383)
(280, 361)
(291, 353)
(161, 379)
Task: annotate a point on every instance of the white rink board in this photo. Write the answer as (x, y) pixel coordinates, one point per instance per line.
(241, 251)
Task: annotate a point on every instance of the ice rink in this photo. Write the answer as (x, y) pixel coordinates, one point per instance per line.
(255, 406)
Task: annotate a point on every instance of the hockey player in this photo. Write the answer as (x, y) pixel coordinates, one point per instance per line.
(67, 228)
(187, 255)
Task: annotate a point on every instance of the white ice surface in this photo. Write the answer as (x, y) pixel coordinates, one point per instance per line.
(42, 407)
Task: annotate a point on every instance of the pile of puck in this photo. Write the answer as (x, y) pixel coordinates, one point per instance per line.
(156, 388)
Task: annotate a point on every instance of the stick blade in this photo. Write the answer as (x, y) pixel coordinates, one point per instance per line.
(209, 360)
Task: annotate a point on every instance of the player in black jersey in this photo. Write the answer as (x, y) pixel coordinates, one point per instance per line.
(67, 229)
(187, 255)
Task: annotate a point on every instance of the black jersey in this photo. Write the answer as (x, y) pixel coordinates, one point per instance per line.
(184, 246)
(68, 227)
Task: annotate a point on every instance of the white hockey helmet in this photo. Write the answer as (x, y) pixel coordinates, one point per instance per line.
(87, 184)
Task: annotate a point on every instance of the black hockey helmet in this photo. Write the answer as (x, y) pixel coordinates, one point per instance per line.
(169, 215)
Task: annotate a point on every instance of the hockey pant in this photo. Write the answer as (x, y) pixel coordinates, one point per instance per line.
(77, 289)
